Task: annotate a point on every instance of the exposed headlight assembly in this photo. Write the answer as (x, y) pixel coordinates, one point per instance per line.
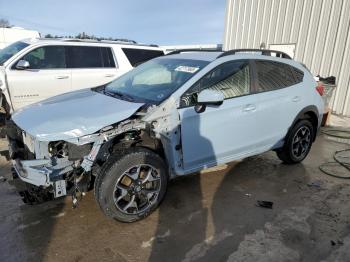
(62, 149)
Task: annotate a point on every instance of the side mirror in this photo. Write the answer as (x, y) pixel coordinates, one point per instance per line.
(208, 97)
(22, 65)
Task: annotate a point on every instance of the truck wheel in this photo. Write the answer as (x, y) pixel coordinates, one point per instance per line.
(297, 143)
(131, 185)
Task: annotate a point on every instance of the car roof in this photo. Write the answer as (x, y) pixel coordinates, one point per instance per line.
(204, 56)
(87, 42)
(211, 55)
(259, 54)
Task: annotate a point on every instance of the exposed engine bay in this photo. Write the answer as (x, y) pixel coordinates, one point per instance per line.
(51, 169)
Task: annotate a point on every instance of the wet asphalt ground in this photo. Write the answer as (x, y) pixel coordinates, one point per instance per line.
(207, 217)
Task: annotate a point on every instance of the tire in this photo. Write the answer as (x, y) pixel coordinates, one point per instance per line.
(295, 150)
(131, 184)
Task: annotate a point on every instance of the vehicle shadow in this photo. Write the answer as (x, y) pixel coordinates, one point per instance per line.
(182, 217)
(205, 216)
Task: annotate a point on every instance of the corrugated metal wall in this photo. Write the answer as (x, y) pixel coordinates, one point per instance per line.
(319, 28)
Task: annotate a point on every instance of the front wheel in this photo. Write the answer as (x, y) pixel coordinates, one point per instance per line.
(297, 143)
(130, 186)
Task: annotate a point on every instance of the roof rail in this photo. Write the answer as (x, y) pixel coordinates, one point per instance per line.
(194, 50)
(131, 42)
(266, 52)
(97, 40)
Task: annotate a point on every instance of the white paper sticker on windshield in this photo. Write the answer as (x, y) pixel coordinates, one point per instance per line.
(187, 69)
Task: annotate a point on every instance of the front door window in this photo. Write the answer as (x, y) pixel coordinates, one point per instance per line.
(48, 57)
(231, 78)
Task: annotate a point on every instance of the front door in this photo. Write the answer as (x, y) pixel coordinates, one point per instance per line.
(47, 76)
(220, 133)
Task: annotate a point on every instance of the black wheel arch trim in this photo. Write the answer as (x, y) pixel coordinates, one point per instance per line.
(302, 114)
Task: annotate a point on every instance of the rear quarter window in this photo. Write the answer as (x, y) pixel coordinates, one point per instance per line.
(298, 74)
(139, 56)
(274, 75)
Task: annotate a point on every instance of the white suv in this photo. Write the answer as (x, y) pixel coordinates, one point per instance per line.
(171, 116)
(35, 69)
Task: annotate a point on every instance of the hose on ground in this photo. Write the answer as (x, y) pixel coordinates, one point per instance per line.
(341, 158)
(338, 133)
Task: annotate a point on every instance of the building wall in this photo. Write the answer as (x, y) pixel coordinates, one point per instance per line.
(318, 28)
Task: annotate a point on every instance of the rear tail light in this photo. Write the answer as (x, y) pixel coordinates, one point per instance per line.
(320, 88)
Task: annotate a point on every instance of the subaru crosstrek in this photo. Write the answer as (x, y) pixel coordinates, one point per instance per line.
(171, 116)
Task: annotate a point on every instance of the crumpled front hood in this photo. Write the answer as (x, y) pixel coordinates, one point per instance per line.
(72, 115)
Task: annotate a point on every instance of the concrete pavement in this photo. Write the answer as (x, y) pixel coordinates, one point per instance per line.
(207, 217)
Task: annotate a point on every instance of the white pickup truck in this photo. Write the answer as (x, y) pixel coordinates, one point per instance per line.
(32, 70)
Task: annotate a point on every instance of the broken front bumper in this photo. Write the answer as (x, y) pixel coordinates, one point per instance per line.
(42, 172)
(33, 171)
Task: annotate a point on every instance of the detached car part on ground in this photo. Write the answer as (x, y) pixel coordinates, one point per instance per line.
(169, 117)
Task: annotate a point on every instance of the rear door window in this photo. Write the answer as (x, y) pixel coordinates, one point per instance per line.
(274, 75)
(90, 57)
(47, 57)
(138, 56)
(84, 57)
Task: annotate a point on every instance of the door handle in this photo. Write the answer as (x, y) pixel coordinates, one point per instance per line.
(249, 107)
(109, 75)
(296, 99)
(62, 77)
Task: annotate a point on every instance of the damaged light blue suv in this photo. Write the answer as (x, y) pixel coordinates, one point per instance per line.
(171, 116)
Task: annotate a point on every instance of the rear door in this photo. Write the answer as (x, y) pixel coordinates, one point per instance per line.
(91, 66)
(47, 76)
(279, 92)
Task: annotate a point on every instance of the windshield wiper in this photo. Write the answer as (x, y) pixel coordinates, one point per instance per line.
(119, 94)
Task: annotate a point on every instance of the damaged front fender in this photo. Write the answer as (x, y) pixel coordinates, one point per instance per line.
(165, 124)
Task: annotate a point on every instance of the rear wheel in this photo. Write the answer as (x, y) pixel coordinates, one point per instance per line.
(130, 186)
(298, 143)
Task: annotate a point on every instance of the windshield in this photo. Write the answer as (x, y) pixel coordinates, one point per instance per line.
(155, 80)
(11, 50)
